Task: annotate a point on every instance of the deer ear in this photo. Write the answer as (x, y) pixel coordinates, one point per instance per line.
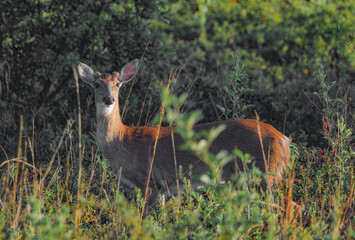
(128, 71)
(86, 74)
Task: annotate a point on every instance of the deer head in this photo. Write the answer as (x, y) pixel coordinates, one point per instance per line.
(107, 85)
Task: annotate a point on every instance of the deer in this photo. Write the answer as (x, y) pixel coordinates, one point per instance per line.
(130, 149)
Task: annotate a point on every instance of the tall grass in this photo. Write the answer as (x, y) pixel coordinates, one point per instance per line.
(63, 200)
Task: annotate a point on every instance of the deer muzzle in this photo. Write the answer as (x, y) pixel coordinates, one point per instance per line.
(108, 100)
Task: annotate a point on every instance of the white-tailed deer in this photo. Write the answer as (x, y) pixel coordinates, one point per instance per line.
(130, 149)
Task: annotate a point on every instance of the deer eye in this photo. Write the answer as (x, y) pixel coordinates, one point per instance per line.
(118, 84)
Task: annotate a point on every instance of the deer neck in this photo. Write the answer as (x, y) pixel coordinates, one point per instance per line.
(110, 127)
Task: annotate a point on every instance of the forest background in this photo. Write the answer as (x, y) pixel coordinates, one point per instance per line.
(292, 62)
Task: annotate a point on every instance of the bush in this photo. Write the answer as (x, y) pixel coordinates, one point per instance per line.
(281, 45)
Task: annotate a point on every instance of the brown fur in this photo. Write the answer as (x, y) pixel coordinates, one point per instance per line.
(130, 149)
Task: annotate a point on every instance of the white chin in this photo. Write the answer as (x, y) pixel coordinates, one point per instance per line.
(104, 110)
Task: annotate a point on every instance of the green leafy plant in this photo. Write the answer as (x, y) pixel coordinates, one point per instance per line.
(235, 105)
(329, 172)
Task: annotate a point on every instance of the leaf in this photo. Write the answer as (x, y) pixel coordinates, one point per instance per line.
(221, 108)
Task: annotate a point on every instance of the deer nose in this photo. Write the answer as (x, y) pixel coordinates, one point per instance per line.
(109, 100)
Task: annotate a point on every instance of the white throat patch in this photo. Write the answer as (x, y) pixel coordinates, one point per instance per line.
(103, 110)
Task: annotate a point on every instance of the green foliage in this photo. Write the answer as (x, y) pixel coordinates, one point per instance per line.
(199, 143)
(43, 40)
(280, 47)
(44, 226)
(328, 172)
(281, 44)
(236, 106)
(227, 210)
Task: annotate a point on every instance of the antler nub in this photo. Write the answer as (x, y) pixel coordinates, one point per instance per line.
(97, 75)
(115, 75)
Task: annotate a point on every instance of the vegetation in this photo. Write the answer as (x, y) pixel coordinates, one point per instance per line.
(292, 63)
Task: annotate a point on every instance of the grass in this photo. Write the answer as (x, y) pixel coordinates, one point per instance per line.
(76, 196)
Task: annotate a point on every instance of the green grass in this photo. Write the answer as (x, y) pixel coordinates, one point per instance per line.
(64, 200)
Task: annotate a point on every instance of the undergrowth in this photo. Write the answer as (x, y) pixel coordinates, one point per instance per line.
(62, 201)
